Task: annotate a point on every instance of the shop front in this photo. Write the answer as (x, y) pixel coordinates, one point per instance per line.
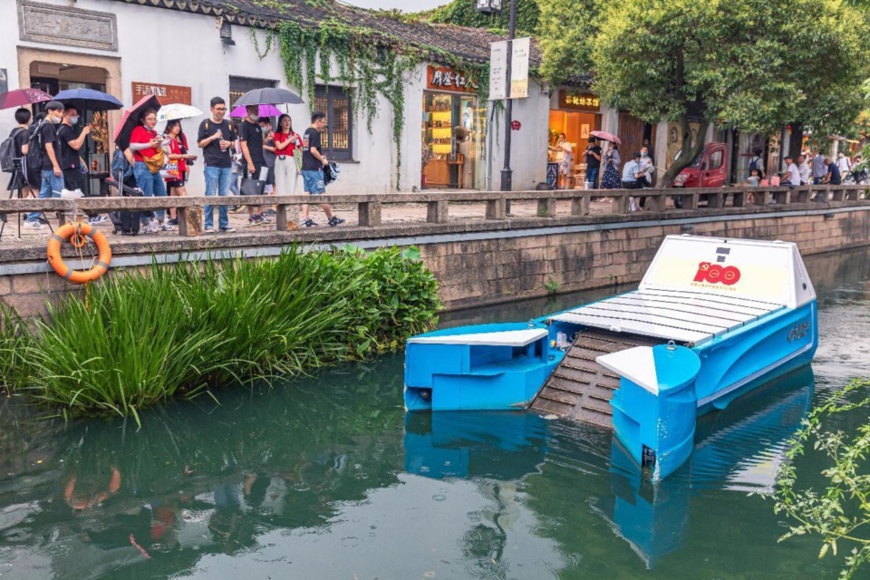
(453, 130)
(577, 114)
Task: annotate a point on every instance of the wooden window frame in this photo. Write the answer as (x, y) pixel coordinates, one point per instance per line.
(331, 93)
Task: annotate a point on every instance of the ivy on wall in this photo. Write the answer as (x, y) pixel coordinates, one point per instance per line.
(368, 63)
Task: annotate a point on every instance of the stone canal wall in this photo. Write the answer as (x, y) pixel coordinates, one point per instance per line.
(484, 262)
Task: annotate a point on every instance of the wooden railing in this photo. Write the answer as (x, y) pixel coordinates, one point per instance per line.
(370, 207)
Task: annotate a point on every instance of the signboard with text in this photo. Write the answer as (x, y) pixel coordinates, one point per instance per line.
(520, 49)
(498, 70)
(165, 93)
(574, 101)
(440, 78)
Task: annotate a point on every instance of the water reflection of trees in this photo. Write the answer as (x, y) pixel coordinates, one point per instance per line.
(203, 479)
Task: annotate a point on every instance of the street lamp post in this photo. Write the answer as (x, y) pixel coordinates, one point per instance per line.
(492, 7)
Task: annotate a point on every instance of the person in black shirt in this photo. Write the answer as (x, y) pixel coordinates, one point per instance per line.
(593, 162)
(20, 135)
(51, 174)
(313, 164)
(69, 143)
(251, 140)
(216, 138)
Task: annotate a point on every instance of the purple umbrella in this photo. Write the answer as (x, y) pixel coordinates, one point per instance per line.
(21, 97)
(264, 111)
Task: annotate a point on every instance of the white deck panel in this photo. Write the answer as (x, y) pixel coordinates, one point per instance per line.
(697, 305)
(636, 327)
(684, 316)
(712, 298)
(503, 338)
(635, 364)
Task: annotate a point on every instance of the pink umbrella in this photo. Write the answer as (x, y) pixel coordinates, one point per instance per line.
(131, 119)
(265, 111)
(21, 97)
(605, 136)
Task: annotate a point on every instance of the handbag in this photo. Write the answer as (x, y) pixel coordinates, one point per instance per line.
(170, 171)
(297, 158)
(155, 162)
(250, 186)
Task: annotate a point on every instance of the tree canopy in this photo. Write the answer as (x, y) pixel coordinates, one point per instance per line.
(752, 64)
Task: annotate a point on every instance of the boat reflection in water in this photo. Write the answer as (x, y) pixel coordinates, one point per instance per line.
(738, 449)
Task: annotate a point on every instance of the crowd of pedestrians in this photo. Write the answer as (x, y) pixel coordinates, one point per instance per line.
(48, 156)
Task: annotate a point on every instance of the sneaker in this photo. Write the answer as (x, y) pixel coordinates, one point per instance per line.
(228, 230)
(172, 222)
(33, 224)
(209, 230)
(269, 212)
(264, 219)
(166, 227)
(236, 209)
(98, 219)
(255, 220)
(309, 223)
(149, 229)
(42, 221)
(335, 221)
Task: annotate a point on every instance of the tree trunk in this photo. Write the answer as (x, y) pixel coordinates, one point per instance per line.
(690, 152)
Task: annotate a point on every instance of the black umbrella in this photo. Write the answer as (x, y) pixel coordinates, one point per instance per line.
(131, 119)
(89, 100)
(268, 96)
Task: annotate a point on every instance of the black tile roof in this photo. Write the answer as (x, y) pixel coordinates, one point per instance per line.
(472, 44)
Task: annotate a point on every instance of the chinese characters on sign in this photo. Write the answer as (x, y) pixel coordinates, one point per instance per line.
(498, 70)
(446, 79)
(578, 101)
(165, 93)
(520, 49)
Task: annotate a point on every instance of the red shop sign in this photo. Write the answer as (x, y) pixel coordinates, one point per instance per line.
(516, 125)
(165, 93)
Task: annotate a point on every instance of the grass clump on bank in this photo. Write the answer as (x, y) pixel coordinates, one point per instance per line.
(136, 340)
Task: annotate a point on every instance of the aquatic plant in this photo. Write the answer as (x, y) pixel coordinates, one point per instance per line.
(142, 338)
(839, 512)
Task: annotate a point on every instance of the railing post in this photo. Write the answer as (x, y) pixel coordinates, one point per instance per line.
(739, 198)
(181, 213)
(716, 199)
(436, 211)
(496, 209)
(838, 195)
(693, 201)
(547, 207)
(281, 217)
(580, 204)
(369, 213)
(781, 197)
(620, 203)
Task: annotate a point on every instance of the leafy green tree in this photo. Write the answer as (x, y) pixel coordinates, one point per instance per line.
(464, 13)
(752, 64)
(566, 30)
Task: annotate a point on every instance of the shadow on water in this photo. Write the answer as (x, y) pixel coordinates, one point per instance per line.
(737, 449)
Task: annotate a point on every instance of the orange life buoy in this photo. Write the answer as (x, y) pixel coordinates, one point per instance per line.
(75, 234)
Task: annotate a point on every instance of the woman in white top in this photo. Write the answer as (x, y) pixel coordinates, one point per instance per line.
(843, 164)
(565, 159)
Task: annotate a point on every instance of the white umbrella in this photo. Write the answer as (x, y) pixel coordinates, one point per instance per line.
(175, 111)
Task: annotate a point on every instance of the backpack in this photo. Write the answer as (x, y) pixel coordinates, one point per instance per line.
(330, 172)
(32, 163)
(8, 154)
(755, 163)
(121, 169)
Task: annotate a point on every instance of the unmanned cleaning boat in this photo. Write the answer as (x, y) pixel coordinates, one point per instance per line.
(712, 319)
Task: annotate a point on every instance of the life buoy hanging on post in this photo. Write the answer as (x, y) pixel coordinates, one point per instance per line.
(76, 234)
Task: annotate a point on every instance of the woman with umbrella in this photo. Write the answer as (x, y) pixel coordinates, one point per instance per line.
(147, 147)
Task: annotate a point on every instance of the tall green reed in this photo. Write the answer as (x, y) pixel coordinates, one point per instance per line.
(139, 339)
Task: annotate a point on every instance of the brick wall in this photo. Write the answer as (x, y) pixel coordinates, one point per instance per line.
(505, 265)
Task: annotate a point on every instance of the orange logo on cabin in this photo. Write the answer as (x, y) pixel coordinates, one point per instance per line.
(714, 273)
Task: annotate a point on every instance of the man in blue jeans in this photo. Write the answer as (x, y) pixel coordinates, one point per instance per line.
(313, 163)
(216, 138)
(51, 174)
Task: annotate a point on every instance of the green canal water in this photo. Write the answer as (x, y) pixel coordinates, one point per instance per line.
(327, 478)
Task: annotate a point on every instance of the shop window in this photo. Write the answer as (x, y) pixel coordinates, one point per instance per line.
(338, 136)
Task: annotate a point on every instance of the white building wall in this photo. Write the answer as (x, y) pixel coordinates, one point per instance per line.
(178, 48)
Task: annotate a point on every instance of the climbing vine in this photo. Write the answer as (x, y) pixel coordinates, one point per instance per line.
(367, 62)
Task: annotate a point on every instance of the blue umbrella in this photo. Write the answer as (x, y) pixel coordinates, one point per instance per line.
(88, 100)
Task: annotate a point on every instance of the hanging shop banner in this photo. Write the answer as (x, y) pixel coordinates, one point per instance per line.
(498, 70)
(165, 93)
(520, 49)
(573, 101)
(440, 78)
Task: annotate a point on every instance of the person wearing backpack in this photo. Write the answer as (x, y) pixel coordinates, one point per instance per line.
(755, 162)
(13, 149)
(41, 154)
